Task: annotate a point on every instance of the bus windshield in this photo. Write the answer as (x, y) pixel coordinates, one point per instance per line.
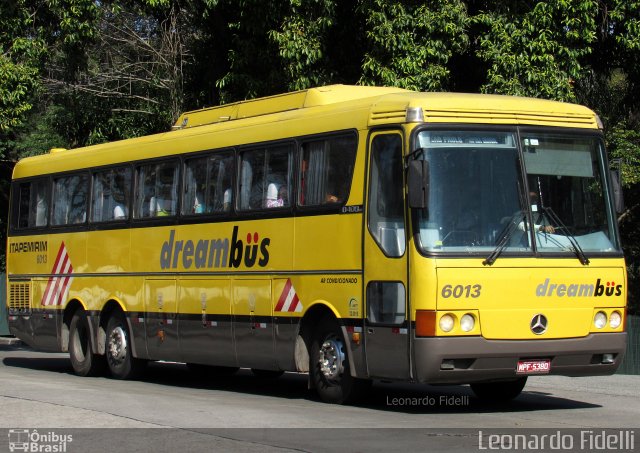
(479, 199)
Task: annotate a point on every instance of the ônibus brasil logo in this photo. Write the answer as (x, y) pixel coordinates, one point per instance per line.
(599, 289)
(215, 253)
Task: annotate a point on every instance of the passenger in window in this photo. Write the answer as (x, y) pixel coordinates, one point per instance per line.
(164, 208)
(119, 208)
(159, 207)
(198, 206)
(79, 217)
(276, 198)
(153, 206)
(41, 210)
(118, 212)
(226, 201)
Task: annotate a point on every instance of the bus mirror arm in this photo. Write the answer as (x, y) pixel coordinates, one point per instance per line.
(418, 183)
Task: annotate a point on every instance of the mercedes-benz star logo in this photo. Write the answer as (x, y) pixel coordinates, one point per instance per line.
(539, 324)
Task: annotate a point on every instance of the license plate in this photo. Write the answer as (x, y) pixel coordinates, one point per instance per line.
(533, 366)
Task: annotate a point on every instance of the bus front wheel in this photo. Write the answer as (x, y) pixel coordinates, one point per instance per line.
(120, 358)
(499, 391)
(83, 360)
(329, 366)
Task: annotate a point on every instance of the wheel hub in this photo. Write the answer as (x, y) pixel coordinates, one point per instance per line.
(331, 358)
(117, 344)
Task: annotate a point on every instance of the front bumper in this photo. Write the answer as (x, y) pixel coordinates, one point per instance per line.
(462, 360)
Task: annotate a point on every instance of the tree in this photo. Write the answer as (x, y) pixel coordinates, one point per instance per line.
(20, 56)
(135, 66)
(303, 40)
(253, 68)
(410, 43)
(75, 72)
(536, 50)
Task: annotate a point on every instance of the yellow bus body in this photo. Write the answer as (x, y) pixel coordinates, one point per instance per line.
(175, 291)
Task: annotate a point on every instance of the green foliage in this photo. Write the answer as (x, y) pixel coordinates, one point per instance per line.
(302, 40)
(624, 143)
(625, 15)
(253, 69)
(17, 82)
(78, 72)
(411, 43)
(537, 52)
(20, 58)
(76, 19)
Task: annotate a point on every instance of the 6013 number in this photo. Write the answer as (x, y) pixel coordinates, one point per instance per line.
(461, 291)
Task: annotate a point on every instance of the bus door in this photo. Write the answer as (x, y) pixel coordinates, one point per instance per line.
(387, 326)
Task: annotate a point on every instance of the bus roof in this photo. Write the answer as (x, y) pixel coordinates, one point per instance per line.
(312, 97)
(333, 107)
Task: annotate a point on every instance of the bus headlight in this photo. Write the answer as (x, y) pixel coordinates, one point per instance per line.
(467, 322)
(600, 320)
(446, 323)
(615, 320)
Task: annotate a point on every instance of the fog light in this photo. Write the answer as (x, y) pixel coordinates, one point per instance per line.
(615, 320)
(446, 323)
(600, 320)
(467, 322)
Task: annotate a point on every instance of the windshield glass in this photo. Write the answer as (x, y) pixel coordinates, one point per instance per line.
(566, 192)
(473, 194)
(479, 201)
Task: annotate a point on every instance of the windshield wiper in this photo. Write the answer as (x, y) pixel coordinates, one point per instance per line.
(572, 239)
(505, 234)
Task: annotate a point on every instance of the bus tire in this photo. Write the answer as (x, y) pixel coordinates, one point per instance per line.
(499, 391)
(83, 360)
(329, 366)
(120, 358)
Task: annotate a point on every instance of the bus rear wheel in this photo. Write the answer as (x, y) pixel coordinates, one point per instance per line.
(120, 358)
(329, 366)
(83, 360)
(500, 391)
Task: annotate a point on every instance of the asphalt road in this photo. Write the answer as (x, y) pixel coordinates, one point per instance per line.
(40, 394)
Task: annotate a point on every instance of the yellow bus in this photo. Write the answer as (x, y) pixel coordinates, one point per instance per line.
(354, 233)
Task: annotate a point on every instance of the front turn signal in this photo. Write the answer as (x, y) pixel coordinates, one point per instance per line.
(425, 323)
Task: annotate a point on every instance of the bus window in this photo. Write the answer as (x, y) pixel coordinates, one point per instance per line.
(566, 181)
(386, 214)
(111, 191)
(33, 204)
(208, 184)
(386, 303)
(265, 178)
(327, 167)
(474, 192)
(156, 190)
(70, 194)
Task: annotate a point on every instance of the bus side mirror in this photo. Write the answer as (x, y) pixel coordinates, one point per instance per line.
(418, 182)
(616, 184)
